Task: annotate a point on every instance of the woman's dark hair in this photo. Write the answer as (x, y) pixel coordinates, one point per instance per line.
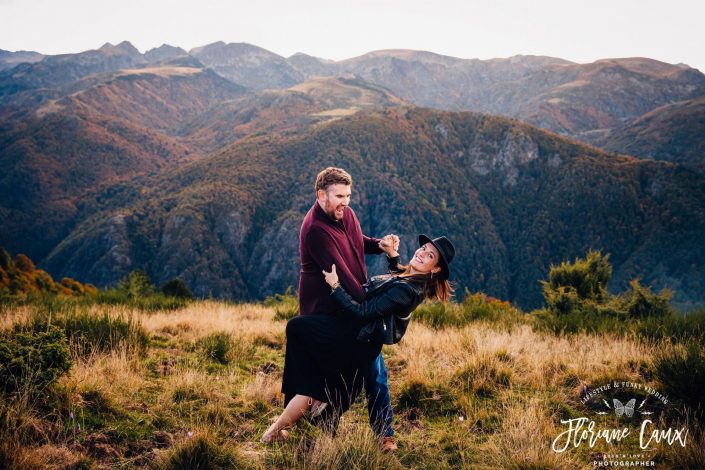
(434, 287)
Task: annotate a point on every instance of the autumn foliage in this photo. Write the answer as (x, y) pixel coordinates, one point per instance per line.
(19, 278)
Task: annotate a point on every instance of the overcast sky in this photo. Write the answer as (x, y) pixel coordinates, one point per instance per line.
(581, 31)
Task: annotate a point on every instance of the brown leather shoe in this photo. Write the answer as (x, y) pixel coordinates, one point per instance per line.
(388, 444)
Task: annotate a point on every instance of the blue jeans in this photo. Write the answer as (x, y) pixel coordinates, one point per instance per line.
(379, 403)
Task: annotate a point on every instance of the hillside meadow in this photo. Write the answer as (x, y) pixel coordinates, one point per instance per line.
(194, 386)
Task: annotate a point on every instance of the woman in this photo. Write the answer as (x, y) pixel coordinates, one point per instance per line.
(327, 354)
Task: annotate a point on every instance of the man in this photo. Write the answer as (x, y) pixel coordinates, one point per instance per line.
(331, 234)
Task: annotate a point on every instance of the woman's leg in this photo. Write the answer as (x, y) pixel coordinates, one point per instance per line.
(292, 413)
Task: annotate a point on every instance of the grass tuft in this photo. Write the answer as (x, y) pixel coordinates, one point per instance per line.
(680, 369)
(218, 347)
(203, 452)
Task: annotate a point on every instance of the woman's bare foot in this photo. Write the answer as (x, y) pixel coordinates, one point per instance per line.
(273, 435)
(296, 408)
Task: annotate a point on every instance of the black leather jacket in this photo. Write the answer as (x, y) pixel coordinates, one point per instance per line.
(387, 308)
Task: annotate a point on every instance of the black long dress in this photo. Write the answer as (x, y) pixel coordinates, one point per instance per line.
(325, 361)
(324, 358)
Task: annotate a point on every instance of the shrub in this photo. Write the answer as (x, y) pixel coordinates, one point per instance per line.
(476, 307)
(285, 305)
(89, 332)
(157, 301)
(73, 287)
(588, 317)
(641, 302)
(176, 288)
(677, 327)
(479, 306)
(439, 315)
(23, 263)
(587, 278)
(5, 259)
(32, 359)
(21, 281)
(578, 302)
(136, 284)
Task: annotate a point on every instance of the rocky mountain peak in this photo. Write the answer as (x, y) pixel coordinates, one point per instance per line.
(123, 48)
(233, 53)
(164, 52)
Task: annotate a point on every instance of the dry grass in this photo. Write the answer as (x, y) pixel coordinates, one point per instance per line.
(49, 457)
(540, 360)
(264, 388)
(117, 373)
(524, 440)
(354, 447)
(485, 397)
(9, 317)
(245, 322)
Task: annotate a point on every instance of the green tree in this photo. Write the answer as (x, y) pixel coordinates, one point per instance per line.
(177, 288)
(136, 285)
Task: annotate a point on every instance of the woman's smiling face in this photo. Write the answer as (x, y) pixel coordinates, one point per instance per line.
(425, 259)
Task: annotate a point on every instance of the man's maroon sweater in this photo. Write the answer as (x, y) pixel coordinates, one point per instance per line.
(323, 242)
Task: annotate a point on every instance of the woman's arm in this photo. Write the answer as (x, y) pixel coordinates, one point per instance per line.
(395, 300)
(390, 244)
(393, 264)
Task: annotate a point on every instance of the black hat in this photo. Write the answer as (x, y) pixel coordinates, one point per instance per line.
(446, 250)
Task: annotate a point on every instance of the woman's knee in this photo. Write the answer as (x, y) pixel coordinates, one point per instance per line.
(295, 326)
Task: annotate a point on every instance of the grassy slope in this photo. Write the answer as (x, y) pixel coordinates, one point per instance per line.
(484, 395)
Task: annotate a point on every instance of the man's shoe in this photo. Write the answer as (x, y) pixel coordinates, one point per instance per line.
(388, 444)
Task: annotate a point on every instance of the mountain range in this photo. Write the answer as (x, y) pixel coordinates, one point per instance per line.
(200, 164)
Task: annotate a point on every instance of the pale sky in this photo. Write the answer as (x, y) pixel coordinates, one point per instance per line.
(581, 31)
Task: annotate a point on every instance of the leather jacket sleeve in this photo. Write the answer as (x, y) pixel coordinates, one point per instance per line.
(393, 264)
(396, 300)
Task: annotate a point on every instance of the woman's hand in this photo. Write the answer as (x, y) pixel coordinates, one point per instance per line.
(331, 277)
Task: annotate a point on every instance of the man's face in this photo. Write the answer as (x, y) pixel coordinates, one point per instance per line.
(335, 199)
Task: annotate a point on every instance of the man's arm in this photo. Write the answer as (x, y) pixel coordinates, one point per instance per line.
(372, 245)
(325, 254)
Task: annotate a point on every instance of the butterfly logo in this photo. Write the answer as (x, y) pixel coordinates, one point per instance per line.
(624, 409)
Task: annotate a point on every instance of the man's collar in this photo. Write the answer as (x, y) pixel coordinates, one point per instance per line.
(321, 214)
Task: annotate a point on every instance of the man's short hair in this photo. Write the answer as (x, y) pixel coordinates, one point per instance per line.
(331, 176)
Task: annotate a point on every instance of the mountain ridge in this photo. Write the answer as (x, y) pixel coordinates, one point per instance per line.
(159, 161)
(213, 223)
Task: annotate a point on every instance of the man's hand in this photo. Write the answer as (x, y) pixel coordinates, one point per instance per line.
(390, 244)
(331, 277)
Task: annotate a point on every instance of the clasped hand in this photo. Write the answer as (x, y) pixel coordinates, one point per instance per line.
(390, 244)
